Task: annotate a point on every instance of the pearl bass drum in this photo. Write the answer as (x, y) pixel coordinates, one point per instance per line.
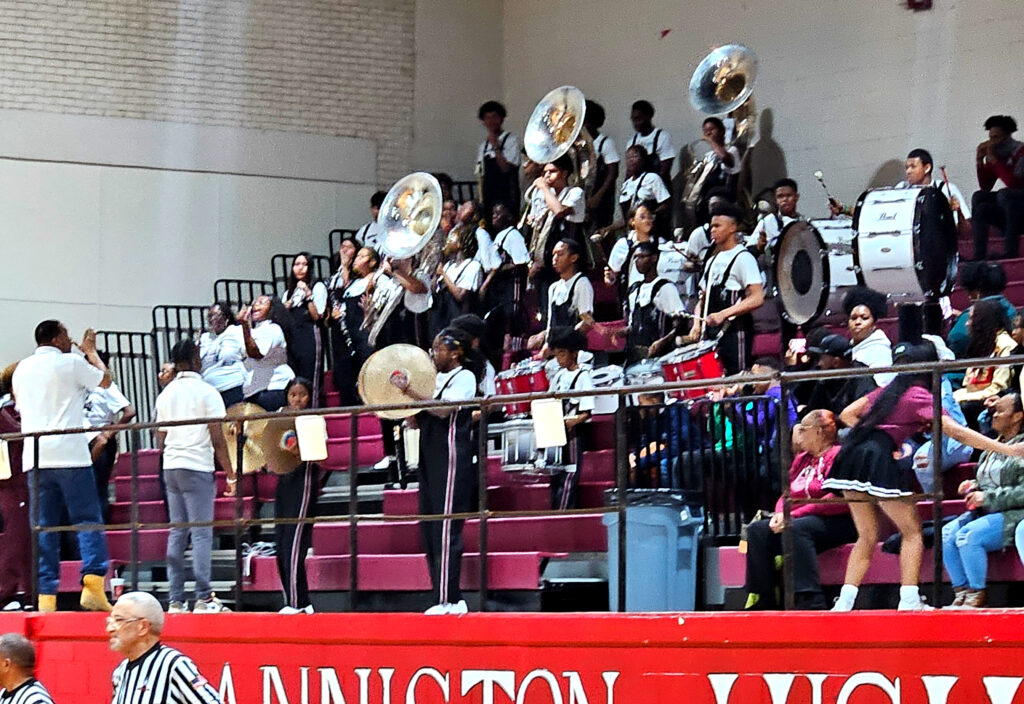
(814, 267)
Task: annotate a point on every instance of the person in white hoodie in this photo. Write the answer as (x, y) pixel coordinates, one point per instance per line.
(864, 307)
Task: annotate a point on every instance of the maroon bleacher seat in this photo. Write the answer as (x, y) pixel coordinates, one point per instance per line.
(149, 463)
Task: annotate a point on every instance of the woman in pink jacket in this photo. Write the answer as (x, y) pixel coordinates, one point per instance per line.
(816, 527)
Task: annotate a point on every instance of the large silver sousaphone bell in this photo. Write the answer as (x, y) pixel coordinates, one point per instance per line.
(556, 127)
(410, 214)
(723, 80)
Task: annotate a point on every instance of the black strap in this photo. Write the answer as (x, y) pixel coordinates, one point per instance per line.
(725, 276)
(658, 283)
(449, 381)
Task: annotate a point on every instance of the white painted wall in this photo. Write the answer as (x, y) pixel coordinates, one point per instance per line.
(851, 86)
(458, 67)
(103, 218)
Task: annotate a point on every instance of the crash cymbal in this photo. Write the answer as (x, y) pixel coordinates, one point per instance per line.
(279, 446)
(374, 381)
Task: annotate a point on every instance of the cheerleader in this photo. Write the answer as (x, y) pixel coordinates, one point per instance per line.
(458, 278)
(295, 497)
(306, 301)
(448, 477)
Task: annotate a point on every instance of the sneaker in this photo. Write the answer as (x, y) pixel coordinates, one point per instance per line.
(176, 607)
(842, 605)
(291, 610)
(914, 605)
(14, 605)
(212, 605)
(384, 463)
(438, 610)
(458, 609)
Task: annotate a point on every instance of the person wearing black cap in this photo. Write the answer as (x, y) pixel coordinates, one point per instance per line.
(730, 291)
(566, 343)
(833, 352)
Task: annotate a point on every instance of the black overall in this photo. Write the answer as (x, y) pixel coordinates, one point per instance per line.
(563, 314)
(305, 350)
(295, 497)
(445, 308)
(735, 347)
(503, 304)
(448, 484)
(646, 323)
(498, 186)
(604, 213)
(564, 484)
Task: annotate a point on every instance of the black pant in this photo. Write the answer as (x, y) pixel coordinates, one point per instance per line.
(232, 396)
(295, 497)
(445, 487)
(811, 535)
(1003, 209)
(101, 470)
(736, 346)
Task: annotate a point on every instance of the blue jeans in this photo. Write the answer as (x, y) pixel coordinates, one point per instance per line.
(73, 488)
(190, 496)
(966, 542)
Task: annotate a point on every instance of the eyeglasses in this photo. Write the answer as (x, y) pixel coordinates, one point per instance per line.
(119, 621)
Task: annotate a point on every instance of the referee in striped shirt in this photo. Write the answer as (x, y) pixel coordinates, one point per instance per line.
(17, 667)
(152, 673)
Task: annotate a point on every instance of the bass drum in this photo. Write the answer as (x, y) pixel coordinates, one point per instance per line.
(814, 267)
(905, 243)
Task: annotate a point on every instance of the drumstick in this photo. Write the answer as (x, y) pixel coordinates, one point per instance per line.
(945, 179)
(821, 179)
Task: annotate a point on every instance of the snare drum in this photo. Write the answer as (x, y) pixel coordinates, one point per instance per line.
(527, 377)
(905, 243)
(519, 450)
(607, 377)
(643, 373)
(814, 267)
(699, 361)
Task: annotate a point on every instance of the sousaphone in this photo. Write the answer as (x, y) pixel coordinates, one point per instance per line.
(374, 382)
(556, 128)
(410, 214)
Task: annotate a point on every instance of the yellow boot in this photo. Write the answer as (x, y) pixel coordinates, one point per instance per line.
(47, 603)
(94, 598)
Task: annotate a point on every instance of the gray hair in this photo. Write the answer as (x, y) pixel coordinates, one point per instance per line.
(19, 649)
(147, 607)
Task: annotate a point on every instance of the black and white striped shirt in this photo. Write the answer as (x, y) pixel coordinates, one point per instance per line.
(162, 675)
(29, 692)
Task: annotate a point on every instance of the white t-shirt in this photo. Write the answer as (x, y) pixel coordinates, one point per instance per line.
(188, 446)
(50, 388)
(510, 148)
(657, 142)
(577, 380)
(736, 165)
(486, 252)
(466, 274)
(770, 226)
(672, 262)
(370, 235)
(947, 188)
(699, 242)
(223, 358)
(572, 196)
(487, 384)
(298, 297)
(646, 186)
(606, 151)
(457, 385)
(582, 294)
(102, 407)
(667, 300)
(272, 371)
(510, 241)
(744, 272)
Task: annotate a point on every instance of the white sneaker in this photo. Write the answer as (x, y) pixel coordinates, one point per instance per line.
(177, 607)
(384, 463)
(212, 605)
(291, 610)
(13, 606)
(914, 605)
(842, 605)
(459, 608)
(438, 610)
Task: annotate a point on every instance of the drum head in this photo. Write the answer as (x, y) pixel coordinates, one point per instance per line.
(801, 273)
(935, 244)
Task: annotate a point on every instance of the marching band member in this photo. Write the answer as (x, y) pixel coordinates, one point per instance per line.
(919, 170)
(447, 476)
(570, 298)
(999, 160)
(642, 185)
(721, 165)
(458, 278)
(369, 233)
(655, 141)
(730, 291)
(651, 304)
(350, 312)
(306, 301)
(341, 365)
(641, 220)
(470, 215)
(601, 202)
(566, 343)
(504, 287)
(264, 326)
(768, 229)
(497, 160)
(476, 328)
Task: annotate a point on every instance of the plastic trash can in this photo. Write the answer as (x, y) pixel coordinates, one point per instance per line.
(663, 544)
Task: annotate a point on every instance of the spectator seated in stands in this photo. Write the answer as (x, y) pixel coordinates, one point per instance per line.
(987, 327)
(816, 527)
(999, 202)
(666, 432)
(954, 452)
(833, 352)
(995, 505)
(871, 346)
(982, 281)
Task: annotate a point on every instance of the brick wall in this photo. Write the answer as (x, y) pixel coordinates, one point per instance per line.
(328, 67)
